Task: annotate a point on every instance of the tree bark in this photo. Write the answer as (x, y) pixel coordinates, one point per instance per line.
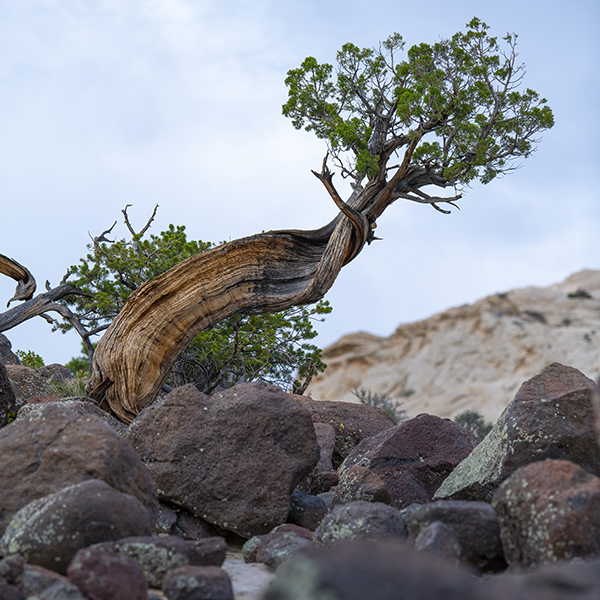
(267, 272)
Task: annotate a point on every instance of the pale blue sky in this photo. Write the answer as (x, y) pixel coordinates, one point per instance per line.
(178, 102)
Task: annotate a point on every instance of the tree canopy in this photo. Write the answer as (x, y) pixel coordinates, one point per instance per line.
(452, 111)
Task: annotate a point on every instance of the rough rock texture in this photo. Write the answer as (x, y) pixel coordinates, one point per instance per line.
(252, 550)
(552, 416)
(29, 382)
(413, 458)
(233, 459)
(197, 583)
(156, 555)
(322, 477)
(549, 511)
(360, 520)
(351, 423)
(7, 356)
(8, 400)
(360, 483)
(306, 510)
(54, 448)
(475, 523)
(383, 570)
(438, 539)
(472, 357)
(80, 404)
(280, 546)
(105, 575)
(50, 530)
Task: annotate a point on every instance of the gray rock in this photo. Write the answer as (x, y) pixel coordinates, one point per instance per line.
(281, 547)
(8, 400)
(7, 356)
(438, 539)
(475, 523)
(197, 583)
(360, 520)
(551, 416)
(306, 510)
(50, 530)
(232, 459)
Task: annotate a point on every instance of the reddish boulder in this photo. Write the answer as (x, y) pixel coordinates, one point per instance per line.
(552, 416)
(360, 483)
(413, 458)
(104, 575)
(232, 459)
(549, 511)
(54, 448)
(351, 423)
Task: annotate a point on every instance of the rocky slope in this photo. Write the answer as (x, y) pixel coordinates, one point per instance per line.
(474, 356)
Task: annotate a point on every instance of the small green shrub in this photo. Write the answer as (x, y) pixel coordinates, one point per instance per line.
(474, 422)
(391, 406)
(30, 359)
(580, 294)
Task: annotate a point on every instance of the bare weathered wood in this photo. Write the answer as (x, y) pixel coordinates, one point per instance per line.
(25, 281)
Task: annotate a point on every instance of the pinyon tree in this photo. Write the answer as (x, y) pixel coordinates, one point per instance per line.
(399, 126)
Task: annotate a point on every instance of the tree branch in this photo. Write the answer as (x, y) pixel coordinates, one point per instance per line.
(26, 284)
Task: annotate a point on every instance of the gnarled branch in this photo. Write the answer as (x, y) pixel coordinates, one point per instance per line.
(26, 285)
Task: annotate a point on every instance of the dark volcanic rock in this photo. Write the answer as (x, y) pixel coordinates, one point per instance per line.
(306, 510)
(7, 356)
(232, 459)
(156, 555)
(8, 400)
(360, 483)
(197, 583)
(386, 570)
(437, 538)
(105, 575)
(351, 423)
(322, 477)
(549, 511)
(475, 523)
(413, 458)
(360, 520)
(551, 416)
(50, 530)
(54, 448)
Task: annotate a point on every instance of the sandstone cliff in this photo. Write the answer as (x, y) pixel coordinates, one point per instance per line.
(474, 356)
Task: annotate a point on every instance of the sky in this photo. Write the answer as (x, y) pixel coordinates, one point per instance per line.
(178, 103)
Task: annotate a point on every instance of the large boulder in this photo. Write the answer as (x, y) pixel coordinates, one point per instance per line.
(413, 458)
(552, 416)
(50, 530)
(55, 447)
(7, 356)
(232, 459)
(549, 511)
(351, 423)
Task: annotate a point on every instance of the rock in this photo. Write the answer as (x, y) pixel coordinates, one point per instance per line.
(81, 405)
(190, 527)
(156, 555)
(7, 356)
(413, 458)
(8, 400)
(232, 459)
(197, 583)
(33, 580)
(61, 590)
(306, 510)
(475, 523)
(29, 382)
(351, 423)
(54, 448)
(248, 580)
(360, 483)
(438, 539)
(280, 547)
(322, 477)
(360, 520)
(105, 575)
(50, 530)
(166, 519)
(552, 416)
(10, 592)
(252, 550)
(471, 357)
(381, 570)
(548, 511)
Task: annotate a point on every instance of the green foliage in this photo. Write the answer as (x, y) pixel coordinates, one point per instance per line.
(580, 293)
(462, 93)
(391, 406)
(474, 422)
(30, 359)
(69, 388)
(274, 348)
(80, 365)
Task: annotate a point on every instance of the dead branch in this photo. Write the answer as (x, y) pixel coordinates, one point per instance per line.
(26, 284)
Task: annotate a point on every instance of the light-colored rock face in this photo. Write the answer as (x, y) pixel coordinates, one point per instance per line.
(472, 357)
